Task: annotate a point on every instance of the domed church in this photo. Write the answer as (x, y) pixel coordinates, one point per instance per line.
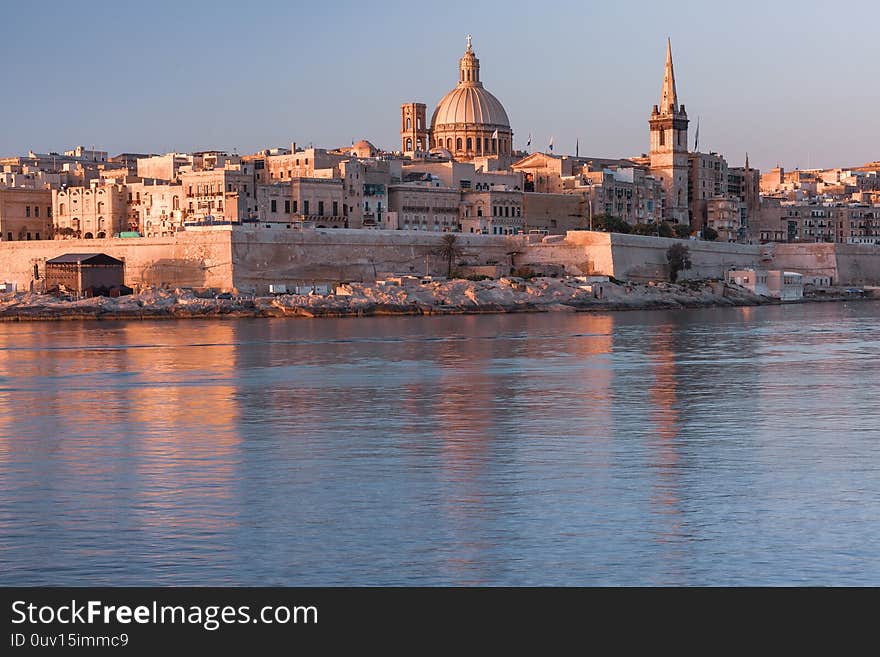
(469, 121)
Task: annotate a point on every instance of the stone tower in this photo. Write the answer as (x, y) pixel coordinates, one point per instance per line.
(414, 133)
(669, 150)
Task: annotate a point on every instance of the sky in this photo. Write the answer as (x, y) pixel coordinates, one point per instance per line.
(791, 83)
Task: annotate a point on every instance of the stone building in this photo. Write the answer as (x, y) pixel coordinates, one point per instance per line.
(25, 214)
(669, 146)
(226, 194)
(96, 211)
(157, 210)
(725, 214)
(427, 206)
(707, 178)
(493, 212)
(85, 272)
(313, 202)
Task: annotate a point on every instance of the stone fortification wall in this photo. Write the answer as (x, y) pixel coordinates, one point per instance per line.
(186, 260)
(264, 256)
(846, 264)
(639, 257)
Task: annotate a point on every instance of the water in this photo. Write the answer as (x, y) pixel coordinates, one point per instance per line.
(736, 446)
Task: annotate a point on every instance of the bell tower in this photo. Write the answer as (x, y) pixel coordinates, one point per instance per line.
(669, 149)
(414, 132)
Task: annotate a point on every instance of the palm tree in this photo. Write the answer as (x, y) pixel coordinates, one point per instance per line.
(449, 251)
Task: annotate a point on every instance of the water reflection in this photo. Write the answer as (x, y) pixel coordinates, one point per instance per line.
(688, 447)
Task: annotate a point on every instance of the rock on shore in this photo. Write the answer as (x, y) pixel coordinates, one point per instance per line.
(362, 299)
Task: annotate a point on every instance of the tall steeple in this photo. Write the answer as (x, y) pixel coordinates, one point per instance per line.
(669, 150)
(669, 97)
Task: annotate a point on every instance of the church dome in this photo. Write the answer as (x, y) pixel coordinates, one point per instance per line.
(470, 103)
(469, 121)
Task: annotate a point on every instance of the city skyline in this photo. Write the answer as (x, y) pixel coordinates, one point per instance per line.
(342, 77)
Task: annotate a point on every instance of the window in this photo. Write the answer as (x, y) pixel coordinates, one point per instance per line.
(49, 212)
(458, 144)
(408, 123)
(663, 138)
(321, 208)
(37, 211)
(335, 208)
(409, 144)
(305, 207)
(287, 207)
(418, 123)
(470, 144)
(27, 211)
(274, 205)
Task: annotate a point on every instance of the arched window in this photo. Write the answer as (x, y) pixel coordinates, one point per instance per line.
(479, 144)
(175, 203)
(88, 236)
(61, 209)
(418, 123)
(449, 143)
(409, 144)
(458, 144)
(663, 138)
(100, 207)
(408, 123)
(470, 144)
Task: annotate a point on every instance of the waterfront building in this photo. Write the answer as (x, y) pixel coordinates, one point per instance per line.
(85, 272)
(216, 195)
(97, 211)
(25, 214)
(302, 202)
(726, 215)
(156, 209)
(493, 212)
(423, 205)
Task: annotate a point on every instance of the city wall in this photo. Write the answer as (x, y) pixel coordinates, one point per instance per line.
(639, 257)
(263, 256)
(250, 258)
(185, 260)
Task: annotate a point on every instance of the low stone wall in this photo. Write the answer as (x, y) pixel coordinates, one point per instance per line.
(200, 259)
(640, 257)
(846, 264)
(263, 256)
(250, 258)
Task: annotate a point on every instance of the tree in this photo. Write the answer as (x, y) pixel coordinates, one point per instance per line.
(679, 258)
(609, 224)
(664, 229)
(682, 231)
(710, 234)
(449, 251)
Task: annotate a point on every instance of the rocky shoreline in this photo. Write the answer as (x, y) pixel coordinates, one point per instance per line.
(452, 297)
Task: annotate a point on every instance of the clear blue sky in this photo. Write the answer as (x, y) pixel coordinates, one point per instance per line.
(791, 82)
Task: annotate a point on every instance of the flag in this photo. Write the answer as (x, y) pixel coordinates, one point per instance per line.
(495, 134)
(697, 137)
(529, 142)
(551, 144)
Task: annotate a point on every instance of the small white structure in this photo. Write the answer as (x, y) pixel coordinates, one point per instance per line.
(754, 280)
(785, 285)
(775, 283)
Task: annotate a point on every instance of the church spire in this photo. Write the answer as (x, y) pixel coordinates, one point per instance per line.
(669, 97)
